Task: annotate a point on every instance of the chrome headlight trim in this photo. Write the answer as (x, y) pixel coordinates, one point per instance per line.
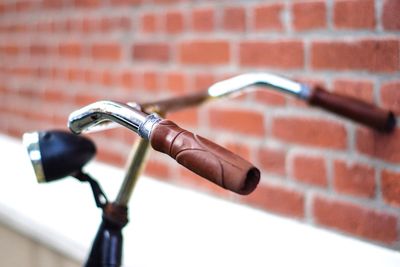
(31, 143)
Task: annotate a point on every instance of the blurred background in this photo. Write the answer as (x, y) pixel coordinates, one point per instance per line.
(317, 168)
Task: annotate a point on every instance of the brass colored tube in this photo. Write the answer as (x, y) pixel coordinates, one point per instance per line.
(134, 168)
(137, 158)
(176, 103)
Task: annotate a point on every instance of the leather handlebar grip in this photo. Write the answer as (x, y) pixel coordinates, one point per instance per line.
(365, 113)
(205, 158)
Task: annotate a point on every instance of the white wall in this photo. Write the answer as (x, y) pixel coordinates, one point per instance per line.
(19, 250)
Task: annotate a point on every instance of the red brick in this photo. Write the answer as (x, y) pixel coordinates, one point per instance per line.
(28, 93)
(354, 179)
(128, 137)
(3, 8)
(390, 183)
(42, 72)
(174, 22)
(111, 157)
(158, 52)
(44, 27)
(84, 98)
(237, 120)
(390, 96)
(269, 98)
(126, 2)
(268, 17)
(24, 5)
(310, 170)
(240, 149)
(158, 169)
(108, 24)
(203, 19)
(390, 15)
(56, 73)
(12, 131)
(117, 134)
(381, 146)
(378, 55)
(71, 49)
(87, 3)
(70, 24)
(52, 3)
(107, 78)
(88, 25)
(128, 80)
(204, 52)
(234, 19)
(10, 49)
(363, 90)
(150, 81)
(167, 1)
(90, 76)
(201, 81)
(74, 74)
(277, 54)
(58, 121)
(39, 49)
(309, 15)
(105, 24)
(310, 131)
(106, 51)
(186, 117)
(23, 71)
(176, 82)
(310, 81)
(272, 160)
(355, 220)
(55, 95)
(57, 26)
(122, 23)
(149, 23)
(277, 199)
(354, 14)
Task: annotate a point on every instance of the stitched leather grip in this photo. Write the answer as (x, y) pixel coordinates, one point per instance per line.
(205, 158)
(365, 113)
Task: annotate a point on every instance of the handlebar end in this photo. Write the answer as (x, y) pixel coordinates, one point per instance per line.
(251, 181)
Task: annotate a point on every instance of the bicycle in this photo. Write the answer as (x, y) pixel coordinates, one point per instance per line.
(50, 150)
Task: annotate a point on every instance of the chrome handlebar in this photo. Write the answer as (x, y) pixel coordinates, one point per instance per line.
(238, 83)
(94, 114)
(101, 115)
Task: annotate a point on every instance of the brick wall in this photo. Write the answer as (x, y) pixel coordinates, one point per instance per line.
(57, 55)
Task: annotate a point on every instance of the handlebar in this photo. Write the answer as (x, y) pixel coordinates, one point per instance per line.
(352, 108)
(194, 152)
(362, 112)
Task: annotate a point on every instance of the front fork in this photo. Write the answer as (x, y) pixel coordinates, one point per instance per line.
(107, 246)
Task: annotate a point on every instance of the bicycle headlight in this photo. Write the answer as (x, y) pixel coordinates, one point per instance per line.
(57, 154)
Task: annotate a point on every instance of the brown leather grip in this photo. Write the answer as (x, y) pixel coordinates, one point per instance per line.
(205, 158)
(357, 110)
